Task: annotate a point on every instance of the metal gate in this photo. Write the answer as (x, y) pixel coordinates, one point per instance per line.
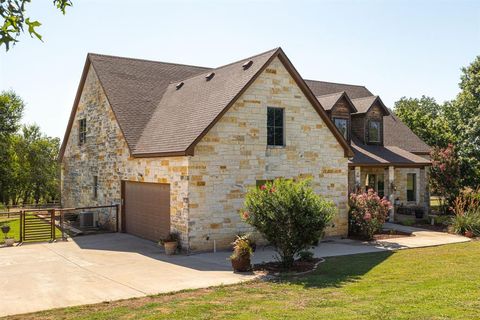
(37, 226)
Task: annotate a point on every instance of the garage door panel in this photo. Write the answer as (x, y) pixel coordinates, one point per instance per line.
(147, 210)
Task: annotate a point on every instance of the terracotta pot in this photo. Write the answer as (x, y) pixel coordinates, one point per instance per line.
(469, 234)
(9, 242)
(170, 247)
(241, 264)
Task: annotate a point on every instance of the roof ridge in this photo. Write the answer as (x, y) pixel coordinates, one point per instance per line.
(227, 65)
(145, 60)
(345, 84)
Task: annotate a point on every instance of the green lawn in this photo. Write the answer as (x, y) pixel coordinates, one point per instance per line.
(14, 224)
(430, 283)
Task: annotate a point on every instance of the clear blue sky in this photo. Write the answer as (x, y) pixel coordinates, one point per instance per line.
(395, 48)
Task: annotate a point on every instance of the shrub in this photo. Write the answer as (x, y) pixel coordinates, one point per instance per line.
(289, 215)
(305, 255)
(467, 212)
(367, 214)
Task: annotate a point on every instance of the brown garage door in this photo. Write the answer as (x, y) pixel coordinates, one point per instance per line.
(147, 209)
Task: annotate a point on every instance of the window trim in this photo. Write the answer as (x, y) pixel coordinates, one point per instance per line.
(283, 129)
(414, 190)
(379, 130)
(82, 131)
(348, 126)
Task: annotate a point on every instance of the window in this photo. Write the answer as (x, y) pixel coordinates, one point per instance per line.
(381, 186)
(82, 131)
(411, 187)
(374, 131)
(342, 126)
(371, 182)
(95, 187)
(275, 128)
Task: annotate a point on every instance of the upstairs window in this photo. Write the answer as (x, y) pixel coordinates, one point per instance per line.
(82, 131)
(411, 187)
(374, 131)
(342, 126)
(275, 129)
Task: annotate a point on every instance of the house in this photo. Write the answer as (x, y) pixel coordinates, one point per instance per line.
(178, 146)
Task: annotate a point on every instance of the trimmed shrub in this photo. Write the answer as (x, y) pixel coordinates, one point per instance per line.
(367, 214)
(289, 215)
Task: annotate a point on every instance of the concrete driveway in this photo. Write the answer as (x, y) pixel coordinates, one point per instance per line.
(97, 268)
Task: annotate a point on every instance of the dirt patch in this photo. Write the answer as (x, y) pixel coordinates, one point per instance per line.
(299, 266)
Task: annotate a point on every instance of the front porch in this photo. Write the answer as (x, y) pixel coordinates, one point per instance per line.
(404, 186)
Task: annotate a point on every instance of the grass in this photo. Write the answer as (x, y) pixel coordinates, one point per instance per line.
(14, 224)
(429, 283)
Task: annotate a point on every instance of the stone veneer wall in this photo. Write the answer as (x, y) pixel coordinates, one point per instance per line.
(234, 154)
(106, 155)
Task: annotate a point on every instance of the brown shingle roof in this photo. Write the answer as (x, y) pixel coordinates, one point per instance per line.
(396, 133)
(182, 115)
(320, 88)
(329, 100)
(135, 87)
(364, 104)
(384, 155)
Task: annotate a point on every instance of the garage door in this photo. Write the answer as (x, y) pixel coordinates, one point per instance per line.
(147, 209)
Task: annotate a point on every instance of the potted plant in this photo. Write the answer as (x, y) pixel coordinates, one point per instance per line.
(170, 243)
(242, 251)
(469, 234)
(419, 212)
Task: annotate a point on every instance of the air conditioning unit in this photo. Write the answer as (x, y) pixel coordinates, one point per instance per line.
(88, 220)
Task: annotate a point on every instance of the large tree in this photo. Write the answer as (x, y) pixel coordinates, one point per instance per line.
(455, 122)
(16, 21)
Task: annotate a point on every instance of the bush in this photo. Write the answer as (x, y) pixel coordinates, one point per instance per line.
(241, 248)
(367, 214)
(305, 255)
(467, 213)
(289, 215)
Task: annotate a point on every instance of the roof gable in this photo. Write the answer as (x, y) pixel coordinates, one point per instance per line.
(320, 88)
(363, 105)
(328, 101)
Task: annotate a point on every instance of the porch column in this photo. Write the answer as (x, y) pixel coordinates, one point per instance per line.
(391, 189)
(358, 176)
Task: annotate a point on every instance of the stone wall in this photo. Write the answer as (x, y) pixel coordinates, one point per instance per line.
(233, 155)
(106, 155)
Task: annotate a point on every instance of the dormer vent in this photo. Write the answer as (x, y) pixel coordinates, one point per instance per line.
(210, 76)
(179, 85)
(247, 65)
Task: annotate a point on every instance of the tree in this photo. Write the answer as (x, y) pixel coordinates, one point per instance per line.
(445, 173)
(15, 21)
(425, 117)
(289, 215)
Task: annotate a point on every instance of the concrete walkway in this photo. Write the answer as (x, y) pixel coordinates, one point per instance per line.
(97, 268)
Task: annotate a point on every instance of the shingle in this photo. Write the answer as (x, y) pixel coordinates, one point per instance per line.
(396, 133)
(135, 87)
(329, 100)
(384, 155)
(363, 104)
(183, 115)
(320, 88)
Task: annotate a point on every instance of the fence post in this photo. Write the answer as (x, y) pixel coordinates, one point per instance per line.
(52, 223)
(62, 217)
(21, 226)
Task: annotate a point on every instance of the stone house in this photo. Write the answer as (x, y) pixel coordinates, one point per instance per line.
(178, 146)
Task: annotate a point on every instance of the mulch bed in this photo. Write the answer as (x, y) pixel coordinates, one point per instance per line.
(391, 234)
(298, 266)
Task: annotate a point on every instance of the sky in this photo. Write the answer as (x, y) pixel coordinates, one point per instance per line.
(394, 48)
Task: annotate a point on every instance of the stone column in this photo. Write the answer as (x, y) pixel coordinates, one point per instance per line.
(391, 191)
(358, 175)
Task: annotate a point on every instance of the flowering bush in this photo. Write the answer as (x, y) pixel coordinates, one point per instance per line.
(367, 214)
(289, 215)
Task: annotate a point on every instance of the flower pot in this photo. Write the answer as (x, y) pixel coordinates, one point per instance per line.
(469, 234)
(5, 228)
(419, 213)
(170, 247)
(241, 264)
(9, 242)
